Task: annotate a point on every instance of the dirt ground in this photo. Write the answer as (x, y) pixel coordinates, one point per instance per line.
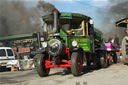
(114, 75)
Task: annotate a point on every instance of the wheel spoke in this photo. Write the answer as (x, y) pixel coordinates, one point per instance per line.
(79, 63)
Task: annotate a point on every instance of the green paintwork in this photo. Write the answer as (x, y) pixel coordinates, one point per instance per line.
(83, 42)
(65, 37)
(98, 35)
(65, 15)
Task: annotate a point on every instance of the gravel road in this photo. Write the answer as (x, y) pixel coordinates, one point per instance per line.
(116, 74)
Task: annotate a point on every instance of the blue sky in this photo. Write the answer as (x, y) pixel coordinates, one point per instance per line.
(87, 7)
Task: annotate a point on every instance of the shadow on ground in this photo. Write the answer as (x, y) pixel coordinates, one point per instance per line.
(85, 70)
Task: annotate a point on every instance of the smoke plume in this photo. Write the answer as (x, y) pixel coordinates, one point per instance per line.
(16, 18)
(114, 11)
(45, 8)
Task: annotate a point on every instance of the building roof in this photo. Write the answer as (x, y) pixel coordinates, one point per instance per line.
(16, 37)
(122, 22)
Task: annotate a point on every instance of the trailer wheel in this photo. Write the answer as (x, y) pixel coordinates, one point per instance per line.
(76, 63)
(114, 58)
(104, 61)
(109, 59)
(40, 65)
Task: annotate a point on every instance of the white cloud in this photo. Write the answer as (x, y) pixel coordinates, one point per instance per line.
(99, 3)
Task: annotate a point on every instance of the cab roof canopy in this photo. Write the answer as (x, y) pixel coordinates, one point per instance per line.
(122, 22)
(66, 15)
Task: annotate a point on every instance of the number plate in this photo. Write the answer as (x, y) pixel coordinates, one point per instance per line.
(3, 64)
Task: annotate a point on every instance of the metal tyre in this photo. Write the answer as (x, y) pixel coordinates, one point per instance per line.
(104, 61)
(76, 63)
(40, 65)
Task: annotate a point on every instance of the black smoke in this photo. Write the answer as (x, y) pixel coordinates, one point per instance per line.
(114, 11)
(16, 18)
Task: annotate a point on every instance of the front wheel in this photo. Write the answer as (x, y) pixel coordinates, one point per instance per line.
(76, 63)
(40, 65)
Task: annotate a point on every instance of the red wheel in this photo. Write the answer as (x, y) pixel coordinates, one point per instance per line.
(109, 59)
(79, 64)
(76, 63)
(106, 59)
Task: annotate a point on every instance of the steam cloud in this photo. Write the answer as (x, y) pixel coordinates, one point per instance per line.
(45, 7)
(114, 11)
(16, 18)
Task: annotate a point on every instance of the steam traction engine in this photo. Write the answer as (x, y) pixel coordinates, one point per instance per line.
(124, 24)
(69, 40)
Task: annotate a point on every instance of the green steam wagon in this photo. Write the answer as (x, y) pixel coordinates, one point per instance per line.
(69, 41)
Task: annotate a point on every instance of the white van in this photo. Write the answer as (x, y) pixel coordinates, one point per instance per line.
(6, 55)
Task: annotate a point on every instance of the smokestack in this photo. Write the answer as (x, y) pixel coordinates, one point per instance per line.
(38, 39)
(55, 12)
(114, 11)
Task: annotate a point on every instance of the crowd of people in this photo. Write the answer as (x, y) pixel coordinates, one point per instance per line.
(113, 43)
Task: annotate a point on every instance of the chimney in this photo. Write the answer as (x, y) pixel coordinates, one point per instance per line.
(55, 12)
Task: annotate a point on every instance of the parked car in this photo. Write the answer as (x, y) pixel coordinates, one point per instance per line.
(6, 55)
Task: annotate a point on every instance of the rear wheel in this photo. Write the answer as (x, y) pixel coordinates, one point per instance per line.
(109, 59)
(40, 65)
(76, 63)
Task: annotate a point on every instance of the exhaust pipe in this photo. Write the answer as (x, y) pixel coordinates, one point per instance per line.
(38, 40)
(55, 29)
(37, 35)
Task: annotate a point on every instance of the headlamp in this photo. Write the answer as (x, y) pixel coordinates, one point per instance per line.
(74, 43)
(44, 44)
